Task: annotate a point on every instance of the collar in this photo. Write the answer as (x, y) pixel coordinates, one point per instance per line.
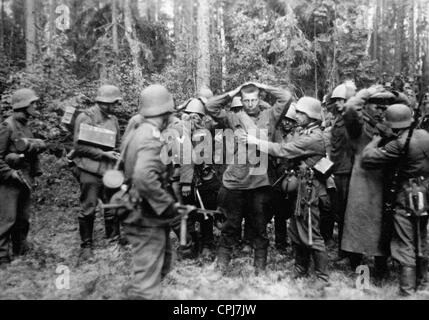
(20, 118)
(101, 113)
(310, 128)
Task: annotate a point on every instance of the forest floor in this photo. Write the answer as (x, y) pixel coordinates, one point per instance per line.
(54, 234)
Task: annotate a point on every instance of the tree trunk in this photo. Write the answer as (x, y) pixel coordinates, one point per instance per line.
(399, 35)
(51, 27)
(222, 46)
(2, 49)
(115, 27)
(30, 33)
(177, 13)
(412, 39)
(375, 55)
(203, 33)
(135, 49)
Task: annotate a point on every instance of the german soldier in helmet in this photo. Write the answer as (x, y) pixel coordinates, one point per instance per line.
(148, 227)
(406, 154)
(199, 183)
(306, 150)
(96, 137)
(19, 164)
(341, 153)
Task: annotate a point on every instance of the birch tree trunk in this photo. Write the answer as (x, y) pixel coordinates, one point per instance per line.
(2, 48)
(177, 15)
(412, 55)
(134, 44)
(30, 33)
(203, 33)
(51, 28)
(222, 46)
(115, 43)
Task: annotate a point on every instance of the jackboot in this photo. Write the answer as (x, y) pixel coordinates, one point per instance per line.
(321, 265)
(422, 274)
(111, 225)
(4, 261)
(20, 245)
(355, 260)
(260, 260)
(86, 227)
(381, 272)
(407, 280)
(302, 261)
(223, 258)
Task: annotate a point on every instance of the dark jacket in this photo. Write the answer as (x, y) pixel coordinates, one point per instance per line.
(91, 158)
(150, 176)
(243, 176)
(11, 129)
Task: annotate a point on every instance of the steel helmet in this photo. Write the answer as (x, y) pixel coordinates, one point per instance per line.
(108, 94)
(236, 102)
(344, 91)
(310, 106)
(291, 112)
(22, 98)
(195, 106)
(155, 100)
(398, 116)
(205, 93)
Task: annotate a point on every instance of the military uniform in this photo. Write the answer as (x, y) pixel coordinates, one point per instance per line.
(148, 227)
(366, 230)
(15, 197)
(283, 204)
(91, 164)
(307, 149)
(341, 155)
(415, 166)
(243, 191)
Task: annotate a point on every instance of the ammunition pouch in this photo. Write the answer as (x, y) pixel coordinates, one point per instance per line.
(15, 160)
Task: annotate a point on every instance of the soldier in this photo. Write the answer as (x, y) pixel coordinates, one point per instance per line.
(283, 196)
(92, 161)
(199, 183)
(366, 229)
(148, 227)
(246, 187)
(406, 154)
(18, 168)
(341, 154)
(307, 148)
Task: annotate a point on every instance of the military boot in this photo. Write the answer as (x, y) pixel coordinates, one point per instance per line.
(381, 273)
(302, 262)
(407, 281)
(86, 226)
(4, 262)
(111, 225)
(260, 260)
(321, 265)
(223, 258)
(422, 274)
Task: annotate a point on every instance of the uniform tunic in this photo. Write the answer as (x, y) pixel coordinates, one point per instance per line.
(414, 165)
(309, 147)
(15, 198)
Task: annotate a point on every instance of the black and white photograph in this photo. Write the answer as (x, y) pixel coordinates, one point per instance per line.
(222, 152)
